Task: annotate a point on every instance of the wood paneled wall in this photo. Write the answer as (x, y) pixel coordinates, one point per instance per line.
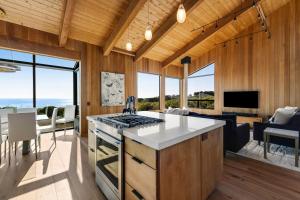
(93, 62)
(271, 66)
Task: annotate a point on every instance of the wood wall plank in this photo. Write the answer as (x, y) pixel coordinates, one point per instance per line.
(258, 63)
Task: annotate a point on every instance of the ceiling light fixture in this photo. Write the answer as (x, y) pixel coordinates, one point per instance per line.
(128, 44)
(6, 67)
(181, 14)
(9, 67)
(148, 32)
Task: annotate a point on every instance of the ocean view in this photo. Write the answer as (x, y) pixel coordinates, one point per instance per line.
(27, 103)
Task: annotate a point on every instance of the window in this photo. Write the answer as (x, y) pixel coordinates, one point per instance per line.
(148, 92)
(172, 97)
(16, 88)
(53, 87)
(54, 81)
(201, 88)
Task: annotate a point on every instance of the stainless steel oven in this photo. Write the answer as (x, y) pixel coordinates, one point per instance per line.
(109, 165)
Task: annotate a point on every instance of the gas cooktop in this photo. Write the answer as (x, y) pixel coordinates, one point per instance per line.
(128, 121)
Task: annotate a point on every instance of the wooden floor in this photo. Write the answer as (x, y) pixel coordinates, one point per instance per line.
(247, 179)
(62, 172)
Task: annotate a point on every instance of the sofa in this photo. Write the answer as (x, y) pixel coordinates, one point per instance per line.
(236, 136)
(292, 124)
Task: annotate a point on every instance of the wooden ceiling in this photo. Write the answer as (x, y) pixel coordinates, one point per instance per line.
(94, 21)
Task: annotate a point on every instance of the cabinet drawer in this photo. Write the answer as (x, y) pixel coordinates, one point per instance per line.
(92, 158)
(141, 177)
(142, 152)
(91, 139)
(132, 194)
(91, 125)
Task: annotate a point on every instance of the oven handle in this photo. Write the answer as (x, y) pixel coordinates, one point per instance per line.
(107, 138)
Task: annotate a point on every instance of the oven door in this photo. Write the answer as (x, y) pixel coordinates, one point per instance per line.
(109, 164)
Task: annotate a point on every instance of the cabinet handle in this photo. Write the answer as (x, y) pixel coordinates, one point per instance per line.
(204, 136)
(92, 150)
(137, 160)
(137, 194)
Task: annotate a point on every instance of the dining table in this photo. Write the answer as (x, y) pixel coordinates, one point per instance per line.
(26, 143)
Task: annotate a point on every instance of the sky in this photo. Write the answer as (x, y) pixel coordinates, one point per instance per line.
(205, 83)
(55, 84)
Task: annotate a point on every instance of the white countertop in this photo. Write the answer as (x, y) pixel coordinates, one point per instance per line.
(173, 130)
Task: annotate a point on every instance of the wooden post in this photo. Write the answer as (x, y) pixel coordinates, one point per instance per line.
(186, 61)
(162, 90)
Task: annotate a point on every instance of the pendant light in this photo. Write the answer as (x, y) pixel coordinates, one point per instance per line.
(128, 44)
(6, 67)
(9, 67)
(148, 32)
(181, 14)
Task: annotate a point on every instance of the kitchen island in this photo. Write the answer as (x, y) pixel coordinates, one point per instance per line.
(180, 158)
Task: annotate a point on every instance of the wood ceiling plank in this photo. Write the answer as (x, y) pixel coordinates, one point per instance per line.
(66, 22)
(247, 4)
(131, 12)
(164, 29)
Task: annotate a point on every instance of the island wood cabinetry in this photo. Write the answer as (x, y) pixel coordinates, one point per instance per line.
(187, 170)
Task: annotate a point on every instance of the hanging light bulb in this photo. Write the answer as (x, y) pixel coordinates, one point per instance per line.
(181, 14)
(148, 33)
(129, 46)
(128, 43)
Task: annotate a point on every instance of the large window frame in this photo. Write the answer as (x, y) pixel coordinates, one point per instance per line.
(199, 101)
(35, 65)
(159, 87)
(174, 78)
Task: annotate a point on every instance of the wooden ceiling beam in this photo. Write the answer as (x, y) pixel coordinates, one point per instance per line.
(134, 7)
(246, 5)
(122, 51)
(66, 22)
(165, 28)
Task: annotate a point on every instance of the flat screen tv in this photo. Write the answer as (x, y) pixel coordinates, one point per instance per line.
(241, 99)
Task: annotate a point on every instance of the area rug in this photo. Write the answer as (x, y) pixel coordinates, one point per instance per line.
(279, 155)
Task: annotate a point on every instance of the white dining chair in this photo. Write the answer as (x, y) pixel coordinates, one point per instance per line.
(4, 127)
(69, 116)
(21, 127)
(27, 110)
(4, 112)
(3, 139)
(49, 128)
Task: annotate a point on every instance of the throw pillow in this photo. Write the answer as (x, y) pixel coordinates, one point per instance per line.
(295, 109)
(282, 116)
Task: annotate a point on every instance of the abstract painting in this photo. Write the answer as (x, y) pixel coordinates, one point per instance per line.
(112, 89)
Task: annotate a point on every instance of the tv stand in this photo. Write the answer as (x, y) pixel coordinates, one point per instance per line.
(241, 114)
(246, 118)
